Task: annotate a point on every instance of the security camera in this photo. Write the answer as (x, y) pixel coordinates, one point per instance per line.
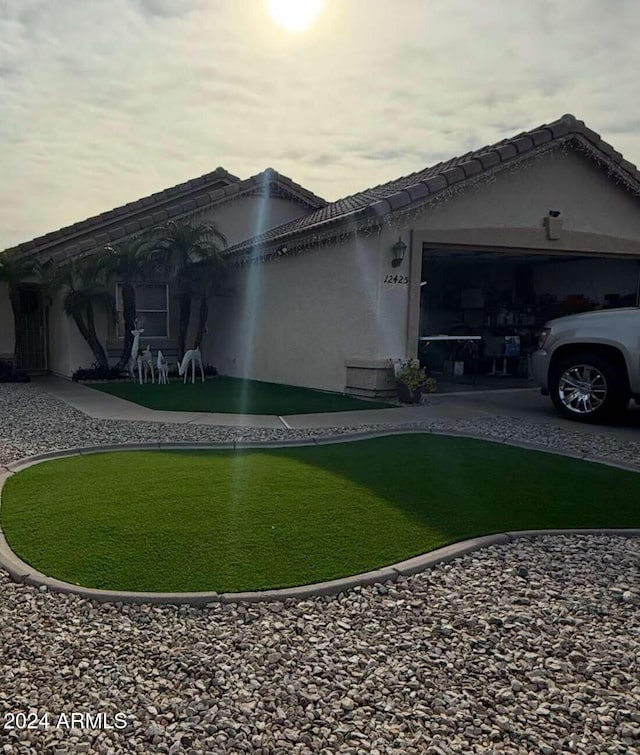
(554, 213)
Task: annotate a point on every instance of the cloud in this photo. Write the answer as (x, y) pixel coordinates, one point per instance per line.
(105, 102)
(165, 8)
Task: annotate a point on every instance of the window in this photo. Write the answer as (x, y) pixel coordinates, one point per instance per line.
(152, 308)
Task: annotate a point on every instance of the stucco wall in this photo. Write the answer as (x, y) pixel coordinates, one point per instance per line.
(6, 323)
(392, 297)
(67, 348)
(569, 182)
(248, 216)
(237, 220)
(297, 319)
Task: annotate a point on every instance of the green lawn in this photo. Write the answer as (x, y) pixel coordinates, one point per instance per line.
(225, 521)
(234, 396)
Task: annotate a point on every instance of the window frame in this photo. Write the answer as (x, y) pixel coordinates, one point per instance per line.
(119, 312)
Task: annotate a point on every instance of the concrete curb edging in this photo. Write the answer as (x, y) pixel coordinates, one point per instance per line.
(237, 445)
(22, 572)
(25, 574)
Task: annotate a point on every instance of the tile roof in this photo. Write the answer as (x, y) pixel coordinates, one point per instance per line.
(207, 190)
(407, 190)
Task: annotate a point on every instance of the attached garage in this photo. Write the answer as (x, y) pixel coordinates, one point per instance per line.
(552, 232)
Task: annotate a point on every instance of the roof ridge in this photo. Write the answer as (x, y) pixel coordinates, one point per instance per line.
(161, 205)
(275, 176)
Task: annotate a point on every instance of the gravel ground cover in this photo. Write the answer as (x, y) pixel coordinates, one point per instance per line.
(530, 647)
(32, 421)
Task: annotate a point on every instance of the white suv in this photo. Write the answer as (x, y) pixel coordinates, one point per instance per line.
(590, 363)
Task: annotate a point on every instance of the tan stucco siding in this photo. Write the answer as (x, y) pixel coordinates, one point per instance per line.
(248, 216)
(570, 182)
(7, 334)
(237, 220)
(68, 350)
(392, 297)
(297, 319)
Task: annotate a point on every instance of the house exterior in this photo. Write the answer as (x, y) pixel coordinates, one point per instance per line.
(239, 208)
(497, 241)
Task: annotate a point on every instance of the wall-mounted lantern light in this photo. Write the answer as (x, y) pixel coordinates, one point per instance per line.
(398, 250)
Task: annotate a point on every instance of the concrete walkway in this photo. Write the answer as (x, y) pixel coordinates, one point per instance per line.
(101, 405)
(518, 404)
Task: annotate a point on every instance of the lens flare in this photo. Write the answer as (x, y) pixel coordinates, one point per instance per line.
(294, 15)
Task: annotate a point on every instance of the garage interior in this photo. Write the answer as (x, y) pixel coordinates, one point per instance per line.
(506, 296)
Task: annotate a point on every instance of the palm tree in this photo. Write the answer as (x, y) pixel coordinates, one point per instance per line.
(15, 271)
(208, 278)
(128, 261)
(83, 281)
(179, 247)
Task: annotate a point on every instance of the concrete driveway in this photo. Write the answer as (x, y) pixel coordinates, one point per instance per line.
(532, 406)
(521, 404)
(525, 404)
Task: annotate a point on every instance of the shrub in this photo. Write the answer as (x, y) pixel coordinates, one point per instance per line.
(97, 373)
(412, 376)
(8, 374)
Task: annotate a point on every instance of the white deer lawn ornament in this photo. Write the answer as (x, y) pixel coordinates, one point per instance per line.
(163, 369)
(191, 357)
(145, 364)
(133, 360)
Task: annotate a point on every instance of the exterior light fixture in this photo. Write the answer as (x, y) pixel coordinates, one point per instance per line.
(553, 224)
(398, 250)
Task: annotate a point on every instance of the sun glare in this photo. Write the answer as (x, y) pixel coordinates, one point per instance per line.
(295, 15)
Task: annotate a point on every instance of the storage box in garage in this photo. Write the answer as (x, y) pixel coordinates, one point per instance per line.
(453, 368)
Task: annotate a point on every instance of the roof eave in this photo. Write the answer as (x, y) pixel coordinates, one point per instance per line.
(481, 163)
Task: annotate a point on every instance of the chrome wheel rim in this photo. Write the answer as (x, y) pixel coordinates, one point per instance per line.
(582, 389)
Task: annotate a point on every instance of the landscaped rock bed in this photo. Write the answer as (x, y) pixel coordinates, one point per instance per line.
(530, 647)
(32, 421)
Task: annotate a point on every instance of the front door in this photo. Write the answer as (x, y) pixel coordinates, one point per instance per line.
(30, 338)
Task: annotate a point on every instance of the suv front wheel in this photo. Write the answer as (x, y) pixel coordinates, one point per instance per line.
(588, 387)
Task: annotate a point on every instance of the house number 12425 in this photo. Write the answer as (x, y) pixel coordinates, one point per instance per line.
(396, 279)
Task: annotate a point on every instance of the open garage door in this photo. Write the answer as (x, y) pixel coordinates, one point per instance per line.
(506, 297)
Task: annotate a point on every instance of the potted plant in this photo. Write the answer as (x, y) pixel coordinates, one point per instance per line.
(411, 381)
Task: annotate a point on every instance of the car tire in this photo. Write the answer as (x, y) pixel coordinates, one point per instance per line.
(588, 387)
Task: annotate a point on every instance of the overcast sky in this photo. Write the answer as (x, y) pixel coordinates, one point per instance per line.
(105, 101)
